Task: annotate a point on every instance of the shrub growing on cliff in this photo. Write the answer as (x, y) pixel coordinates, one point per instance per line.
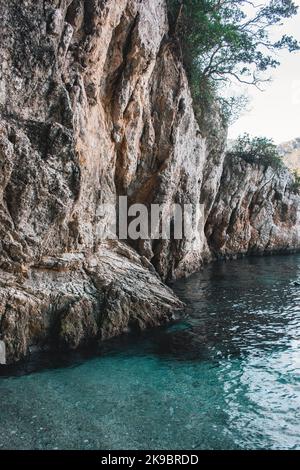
(228, 40)
(296, 184)
(260, 150)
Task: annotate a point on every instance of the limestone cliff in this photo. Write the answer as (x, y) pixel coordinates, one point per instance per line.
(94, 104)
(256, 211)
(290, 152)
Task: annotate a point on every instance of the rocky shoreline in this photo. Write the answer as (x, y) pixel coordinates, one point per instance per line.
(94, 104)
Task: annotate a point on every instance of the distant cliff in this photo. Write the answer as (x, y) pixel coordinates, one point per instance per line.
(291, 154)
(95, 104)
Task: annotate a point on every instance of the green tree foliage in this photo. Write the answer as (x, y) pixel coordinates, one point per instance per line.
(228, 40)
(260, 150)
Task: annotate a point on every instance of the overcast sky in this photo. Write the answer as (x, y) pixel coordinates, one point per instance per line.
(275, 113)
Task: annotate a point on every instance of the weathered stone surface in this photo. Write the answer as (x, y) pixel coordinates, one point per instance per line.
(94, 104)
(71, 300)
(256, 211)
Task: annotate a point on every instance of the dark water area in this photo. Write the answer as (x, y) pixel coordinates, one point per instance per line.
(225, 377)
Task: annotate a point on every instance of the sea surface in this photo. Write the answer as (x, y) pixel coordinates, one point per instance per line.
(225, 377)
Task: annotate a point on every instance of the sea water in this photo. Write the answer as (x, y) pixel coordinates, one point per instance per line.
(227, 376)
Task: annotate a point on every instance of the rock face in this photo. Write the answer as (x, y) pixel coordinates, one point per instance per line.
(256, 211)
(291, 154)
(95, 104)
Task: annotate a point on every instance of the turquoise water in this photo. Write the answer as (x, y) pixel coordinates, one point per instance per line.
(226, 377)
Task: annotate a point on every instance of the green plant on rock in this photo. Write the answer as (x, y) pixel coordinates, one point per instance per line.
(259, 150)
(227, 41)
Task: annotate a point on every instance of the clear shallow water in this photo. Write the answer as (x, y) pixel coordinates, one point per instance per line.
(227, 377)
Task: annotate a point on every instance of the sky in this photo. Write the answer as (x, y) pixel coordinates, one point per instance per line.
(275, 112)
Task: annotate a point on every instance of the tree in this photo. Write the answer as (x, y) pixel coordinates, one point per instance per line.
(228, 40)
(260, 150)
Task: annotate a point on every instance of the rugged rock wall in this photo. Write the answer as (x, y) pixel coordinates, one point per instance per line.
(256, 211)
(94, 104)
